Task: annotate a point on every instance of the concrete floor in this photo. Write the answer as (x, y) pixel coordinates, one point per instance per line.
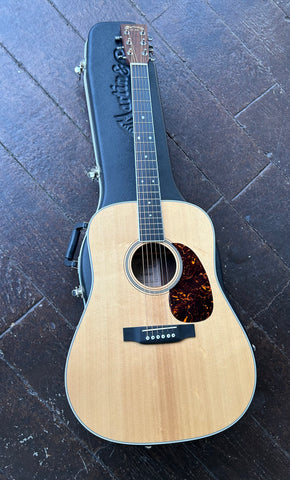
(223, 71)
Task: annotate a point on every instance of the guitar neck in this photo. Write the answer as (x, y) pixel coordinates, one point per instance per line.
(146, 166)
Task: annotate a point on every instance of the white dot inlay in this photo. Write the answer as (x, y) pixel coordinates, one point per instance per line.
(142, 117)
(138, 138)
(150, 138)
(146, 156)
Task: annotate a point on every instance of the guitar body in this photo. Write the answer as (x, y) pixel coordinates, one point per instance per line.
(137, 393)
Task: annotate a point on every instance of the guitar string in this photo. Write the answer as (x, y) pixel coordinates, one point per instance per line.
(162, 255)
(147, 193)
(142, 191)
(133, 94)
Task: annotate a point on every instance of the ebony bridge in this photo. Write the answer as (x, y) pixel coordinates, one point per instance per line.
(158, 334)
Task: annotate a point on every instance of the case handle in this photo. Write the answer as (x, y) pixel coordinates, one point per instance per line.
(69, 256)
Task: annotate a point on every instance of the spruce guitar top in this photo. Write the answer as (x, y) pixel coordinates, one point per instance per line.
(159, 355)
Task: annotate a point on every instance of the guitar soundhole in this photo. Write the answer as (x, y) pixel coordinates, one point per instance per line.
(153, 265)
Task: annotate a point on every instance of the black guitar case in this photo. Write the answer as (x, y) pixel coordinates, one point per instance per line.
(108, 95)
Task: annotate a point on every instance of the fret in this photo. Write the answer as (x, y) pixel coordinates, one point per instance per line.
(146, 183)
(150, 132)
(141, 89)
(151, 237)
(153, 191)
(147, 175)
(143, 169)
(143, 151)
(150, 221)
(152, 214)
(147, 224)
(151, 231)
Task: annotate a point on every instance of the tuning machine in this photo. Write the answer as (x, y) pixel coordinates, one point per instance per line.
(151, 52)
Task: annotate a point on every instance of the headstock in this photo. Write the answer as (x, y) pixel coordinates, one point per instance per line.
(135, 43)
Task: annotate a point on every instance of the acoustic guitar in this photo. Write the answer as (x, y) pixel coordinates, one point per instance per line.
(159, 355)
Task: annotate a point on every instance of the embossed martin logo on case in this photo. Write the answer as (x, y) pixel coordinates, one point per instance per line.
(122, 90)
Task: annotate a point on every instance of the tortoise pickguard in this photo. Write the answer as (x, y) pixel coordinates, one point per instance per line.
(191, 299)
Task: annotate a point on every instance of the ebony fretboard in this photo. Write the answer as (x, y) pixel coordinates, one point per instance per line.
(147, 177)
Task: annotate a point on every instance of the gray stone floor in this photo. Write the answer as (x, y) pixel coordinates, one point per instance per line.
(223, 70)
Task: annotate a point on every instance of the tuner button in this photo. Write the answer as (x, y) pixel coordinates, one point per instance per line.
(118, 38)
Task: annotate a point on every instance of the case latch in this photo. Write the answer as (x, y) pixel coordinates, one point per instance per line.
(94, 173)
(80, 68)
